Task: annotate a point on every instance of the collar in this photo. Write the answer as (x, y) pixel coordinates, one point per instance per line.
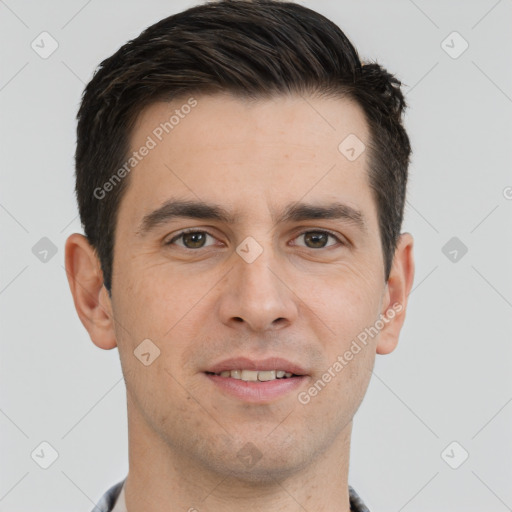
(114, 501)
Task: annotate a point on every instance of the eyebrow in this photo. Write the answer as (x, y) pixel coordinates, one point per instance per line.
(294, 212)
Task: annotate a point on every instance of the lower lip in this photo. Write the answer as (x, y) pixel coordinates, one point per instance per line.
(257, 392)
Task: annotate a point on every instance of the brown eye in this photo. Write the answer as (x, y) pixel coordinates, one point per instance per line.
(194, 240)
(318, 239)
(191, 239)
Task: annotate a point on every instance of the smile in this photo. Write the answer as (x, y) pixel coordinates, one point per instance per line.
(254, 375)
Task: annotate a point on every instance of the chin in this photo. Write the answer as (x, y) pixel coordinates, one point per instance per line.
(262, 473)
(249, 464)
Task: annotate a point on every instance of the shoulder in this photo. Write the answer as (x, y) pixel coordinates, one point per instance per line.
(356, 503)
(107, 501)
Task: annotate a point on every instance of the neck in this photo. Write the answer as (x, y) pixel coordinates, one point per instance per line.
(162, 478)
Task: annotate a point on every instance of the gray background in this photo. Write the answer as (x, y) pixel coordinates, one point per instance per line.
(449, 379)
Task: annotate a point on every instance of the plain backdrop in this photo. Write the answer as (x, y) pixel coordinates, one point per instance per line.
(444, 394)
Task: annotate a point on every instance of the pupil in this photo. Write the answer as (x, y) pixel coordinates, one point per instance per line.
(196, 239)
(315, 237)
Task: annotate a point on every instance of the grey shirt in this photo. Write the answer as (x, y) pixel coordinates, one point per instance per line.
(113, 500)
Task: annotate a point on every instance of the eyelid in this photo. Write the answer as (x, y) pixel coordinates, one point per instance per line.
(186, 231)
(324, 231)
(300, 233)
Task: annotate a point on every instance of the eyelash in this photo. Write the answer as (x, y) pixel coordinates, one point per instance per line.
(187, 231)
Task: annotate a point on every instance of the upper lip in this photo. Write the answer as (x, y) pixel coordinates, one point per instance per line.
(271, 363)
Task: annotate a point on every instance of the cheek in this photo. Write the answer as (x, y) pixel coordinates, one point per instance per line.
(164, 313)
(347, 304)
(349, 307)
(150, 306)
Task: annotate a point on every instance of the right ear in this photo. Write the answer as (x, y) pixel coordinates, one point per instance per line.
(92, 302)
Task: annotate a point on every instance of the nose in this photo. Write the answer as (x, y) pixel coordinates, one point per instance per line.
(258, 296)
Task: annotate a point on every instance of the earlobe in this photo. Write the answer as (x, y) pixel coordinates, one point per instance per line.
(398, 288)
(91, 299)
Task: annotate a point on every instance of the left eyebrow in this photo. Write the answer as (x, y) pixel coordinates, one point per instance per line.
(294, 212)
(339, 211)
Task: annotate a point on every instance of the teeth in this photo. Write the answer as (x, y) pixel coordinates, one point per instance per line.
(249, 375)
(267, 375)
(255, 375)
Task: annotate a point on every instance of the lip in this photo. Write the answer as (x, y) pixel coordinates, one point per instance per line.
(270, 363)
(262, 392)
(256, 392)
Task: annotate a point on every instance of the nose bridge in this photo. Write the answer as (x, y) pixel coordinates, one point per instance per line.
(258, 280)
(255, 292)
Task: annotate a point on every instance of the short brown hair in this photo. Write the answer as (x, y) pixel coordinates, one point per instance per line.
(251, 48)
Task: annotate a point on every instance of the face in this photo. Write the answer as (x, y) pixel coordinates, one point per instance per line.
(281, 268)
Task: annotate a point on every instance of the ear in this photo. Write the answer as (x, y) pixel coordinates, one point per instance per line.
(396, 294)
(90, 296)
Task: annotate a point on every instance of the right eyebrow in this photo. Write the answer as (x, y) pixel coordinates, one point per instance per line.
(175, 208)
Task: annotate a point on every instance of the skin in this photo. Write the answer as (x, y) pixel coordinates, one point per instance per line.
(298, 300)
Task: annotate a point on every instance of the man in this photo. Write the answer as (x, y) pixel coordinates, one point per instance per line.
(241, 179)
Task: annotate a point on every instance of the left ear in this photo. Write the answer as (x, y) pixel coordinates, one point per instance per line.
(397, 291)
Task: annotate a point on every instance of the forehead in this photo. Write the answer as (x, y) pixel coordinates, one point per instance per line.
(292, 120)
(230, 150)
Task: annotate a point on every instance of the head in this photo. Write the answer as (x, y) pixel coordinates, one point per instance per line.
(256, 125)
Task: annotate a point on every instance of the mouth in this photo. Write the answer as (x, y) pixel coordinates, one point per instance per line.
(256, 381)
(255, 375)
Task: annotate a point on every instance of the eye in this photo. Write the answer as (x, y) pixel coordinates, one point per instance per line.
(191, 239)
(195, 239)
(317, 239)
